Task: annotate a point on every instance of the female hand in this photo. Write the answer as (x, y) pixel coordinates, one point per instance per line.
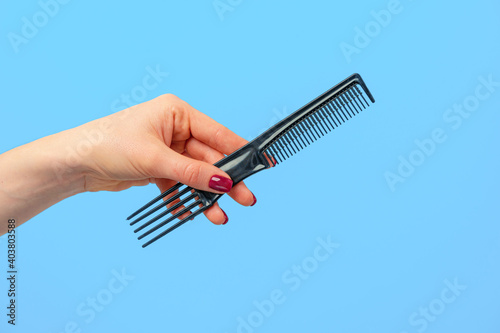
(161, 141)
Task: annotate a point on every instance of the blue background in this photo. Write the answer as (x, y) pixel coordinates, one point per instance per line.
(256, 64)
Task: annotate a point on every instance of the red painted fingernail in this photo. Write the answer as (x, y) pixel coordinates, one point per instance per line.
(220, 183)
(227, 218)
(254, 200)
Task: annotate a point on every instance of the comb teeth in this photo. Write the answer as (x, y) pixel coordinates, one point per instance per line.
(176, 202)
(316, 124)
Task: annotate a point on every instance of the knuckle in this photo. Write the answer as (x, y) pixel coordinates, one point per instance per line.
(217, 138)
(175, 106)
(169, 97)
(170, 103)
(176, 110)
(192, 173)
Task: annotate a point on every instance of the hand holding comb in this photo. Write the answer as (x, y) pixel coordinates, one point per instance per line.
(281, 141)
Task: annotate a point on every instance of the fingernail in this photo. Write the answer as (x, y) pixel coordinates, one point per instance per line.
(254, 200)
(220, 183)
(227, 219)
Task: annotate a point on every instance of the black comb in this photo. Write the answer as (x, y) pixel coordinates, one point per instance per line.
(272, 147)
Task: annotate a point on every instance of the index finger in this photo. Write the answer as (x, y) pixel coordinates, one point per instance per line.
(215, 135)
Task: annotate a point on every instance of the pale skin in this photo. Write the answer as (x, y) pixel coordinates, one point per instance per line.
(161, 141)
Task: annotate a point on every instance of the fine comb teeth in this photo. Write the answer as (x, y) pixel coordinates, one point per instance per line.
(324, 119)
(281, 141)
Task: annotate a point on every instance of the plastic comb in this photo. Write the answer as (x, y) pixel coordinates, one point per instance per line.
(281, 141)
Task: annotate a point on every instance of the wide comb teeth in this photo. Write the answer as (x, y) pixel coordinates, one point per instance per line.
(183, 199)
(316, 124)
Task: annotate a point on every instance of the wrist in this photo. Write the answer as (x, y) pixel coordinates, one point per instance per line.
(35, 176)
(64, 161)
(60, 165)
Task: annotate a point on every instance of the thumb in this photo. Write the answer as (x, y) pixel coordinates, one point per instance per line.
(194, 173)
